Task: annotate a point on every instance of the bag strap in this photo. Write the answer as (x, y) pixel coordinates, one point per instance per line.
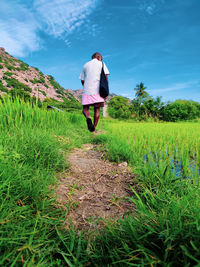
(102, 65)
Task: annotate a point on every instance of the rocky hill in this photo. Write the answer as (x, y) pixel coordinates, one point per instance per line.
(18, 78)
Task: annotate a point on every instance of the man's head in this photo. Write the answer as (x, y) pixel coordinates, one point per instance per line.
(97, 56)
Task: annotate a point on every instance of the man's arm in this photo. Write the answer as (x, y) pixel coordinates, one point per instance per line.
(82, 81)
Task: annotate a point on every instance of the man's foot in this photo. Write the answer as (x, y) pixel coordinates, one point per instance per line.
(90, 125)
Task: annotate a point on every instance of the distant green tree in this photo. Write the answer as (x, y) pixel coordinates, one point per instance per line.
(119, 107)
(140, 91)
(180, 110)
(147, 107)
(135, 106)
(152, 106)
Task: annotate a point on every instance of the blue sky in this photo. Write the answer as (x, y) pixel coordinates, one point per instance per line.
(153, 41)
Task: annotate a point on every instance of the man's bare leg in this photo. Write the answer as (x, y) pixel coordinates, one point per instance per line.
(86, 112)
(96, 117)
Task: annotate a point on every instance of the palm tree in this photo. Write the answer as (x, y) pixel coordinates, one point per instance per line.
(140, 91)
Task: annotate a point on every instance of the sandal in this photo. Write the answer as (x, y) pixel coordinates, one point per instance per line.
(90, 125)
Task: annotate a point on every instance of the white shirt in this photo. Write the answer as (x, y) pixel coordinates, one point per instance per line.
(90, 74)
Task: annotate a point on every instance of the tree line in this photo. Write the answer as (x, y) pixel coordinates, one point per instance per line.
(146, 107)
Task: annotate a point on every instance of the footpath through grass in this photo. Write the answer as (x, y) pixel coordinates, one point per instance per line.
(165, 228)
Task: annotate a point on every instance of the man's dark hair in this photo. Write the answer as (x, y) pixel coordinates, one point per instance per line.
(96, 54)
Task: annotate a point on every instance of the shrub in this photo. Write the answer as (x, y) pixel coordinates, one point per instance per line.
(1, 67)
(12, 61)
(34, 81)
(13, 83)
(119, 107)
(59, 89)
(8, 73)
(2, 88)
(43, 92)
(23, 66)
(9, 67)
(41, 80)
(46, 85)
(181, 110)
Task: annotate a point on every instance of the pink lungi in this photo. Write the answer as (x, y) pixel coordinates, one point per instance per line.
(92, 100)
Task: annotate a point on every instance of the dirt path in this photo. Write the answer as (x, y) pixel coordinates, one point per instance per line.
(94, 189)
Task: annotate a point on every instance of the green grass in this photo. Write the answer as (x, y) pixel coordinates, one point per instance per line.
(31, 227)
(165, 227)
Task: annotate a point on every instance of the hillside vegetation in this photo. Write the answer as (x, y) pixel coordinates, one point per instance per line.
(19, 79)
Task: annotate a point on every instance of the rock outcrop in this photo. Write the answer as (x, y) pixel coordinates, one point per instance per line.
(17, 75)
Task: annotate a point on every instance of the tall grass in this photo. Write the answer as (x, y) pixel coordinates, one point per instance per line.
(30, 155)
(165, 229)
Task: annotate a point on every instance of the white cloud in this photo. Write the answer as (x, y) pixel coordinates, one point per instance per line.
(21, 22)
(63, 16)
(68, 43)
(150, 6)
(18, 29)
(150, 9)
(175, 87)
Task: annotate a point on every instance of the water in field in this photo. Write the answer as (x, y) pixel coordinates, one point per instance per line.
(173, 148)
(176, 167)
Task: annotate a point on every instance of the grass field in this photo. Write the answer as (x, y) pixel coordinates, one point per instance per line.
(165, 157)
(33, 145)
(165, 228)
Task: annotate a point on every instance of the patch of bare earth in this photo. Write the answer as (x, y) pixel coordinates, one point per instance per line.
(94, 190)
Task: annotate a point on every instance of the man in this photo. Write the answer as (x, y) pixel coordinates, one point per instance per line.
(90, 79)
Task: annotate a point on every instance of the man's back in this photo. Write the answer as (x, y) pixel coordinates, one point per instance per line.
(91, 75)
